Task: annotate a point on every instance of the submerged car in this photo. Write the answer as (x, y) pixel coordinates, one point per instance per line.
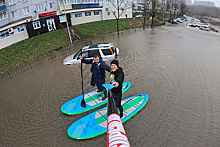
(105, 50)
(173, 21)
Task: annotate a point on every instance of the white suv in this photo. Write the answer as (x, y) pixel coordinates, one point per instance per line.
(105, 50)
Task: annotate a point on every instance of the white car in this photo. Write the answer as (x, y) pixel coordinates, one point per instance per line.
(106, 51)
(179, 20)
(204, 27)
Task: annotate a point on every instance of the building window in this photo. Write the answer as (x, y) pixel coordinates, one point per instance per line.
(109, 13)
(4, 34)
(62, 18)
(3, 15)
(36, 25)
(114, 13)
(52, 5)
(88, 13)
(39, 7)
(18, 29)
(14, 14)
(72, 1)
(11, 2)
(96, 12)
(66, 2)
(89, 1)
(26, 10)
(78, 15)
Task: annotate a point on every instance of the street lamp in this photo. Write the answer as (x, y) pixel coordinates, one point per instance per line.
(67, 25)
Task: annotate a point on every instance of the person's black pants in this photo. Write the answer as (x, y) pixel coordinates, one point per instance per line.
(117, 99)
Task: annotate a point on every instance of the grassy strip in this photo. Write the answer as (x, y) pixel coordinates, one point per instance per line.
(105, 27)
(30, 49)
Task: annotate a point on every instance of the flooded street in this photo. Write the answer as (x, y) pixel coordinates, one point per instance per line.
(178, 67)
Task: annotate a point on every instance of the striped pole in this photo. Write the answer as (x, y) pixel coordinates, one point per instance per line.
(116, 136)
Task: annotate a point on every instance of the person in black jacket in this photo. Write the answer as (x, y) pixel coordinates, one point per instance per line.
(98, 72)
(117, 78)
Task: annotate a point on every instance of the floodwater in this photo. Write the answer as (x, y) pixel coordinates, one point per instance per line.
(178, 67)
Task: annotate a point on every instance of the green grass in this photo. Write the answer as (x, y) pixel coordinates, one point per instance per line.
(105, 27)
(30, 49)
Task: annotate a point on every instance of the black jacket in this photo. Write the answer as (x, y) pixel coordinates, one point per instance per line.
(117, 76)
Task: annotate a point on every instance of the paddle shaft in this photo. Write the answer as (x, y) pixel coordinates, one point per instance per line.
(83, 103)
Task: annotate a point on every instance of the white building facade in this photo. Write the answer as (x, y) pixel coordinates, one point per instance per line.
(204, 3)
(22, 19)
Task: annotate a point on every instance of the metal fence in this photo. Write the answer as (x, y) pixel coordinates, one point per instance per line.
(59, 52)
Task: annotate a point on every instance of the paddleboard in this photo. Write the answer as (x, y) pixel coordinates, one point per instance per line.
(95, 124)
(93, 100)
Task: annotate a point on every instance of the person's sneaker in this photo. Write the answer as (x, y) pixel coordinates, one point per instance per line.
(105, 97)
(99, 91)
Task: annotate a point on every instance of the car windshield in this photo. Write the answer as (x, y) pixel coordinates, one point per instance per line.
(76, 55)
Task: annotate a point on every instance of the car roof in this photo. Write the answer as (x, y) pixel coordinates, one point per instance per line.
(103, 45)
(87, 49)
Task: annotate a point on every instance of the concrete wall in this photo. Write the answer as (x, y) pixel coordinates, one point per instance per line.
(14, 37)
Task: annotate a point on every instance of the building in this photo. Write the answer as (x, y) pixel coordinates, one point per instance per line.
(85, 11)
(188, 2)
(22, 19)
(204, 3)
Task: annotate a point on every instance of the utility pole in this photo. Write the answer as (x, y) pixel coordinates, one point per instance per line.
(67, 24)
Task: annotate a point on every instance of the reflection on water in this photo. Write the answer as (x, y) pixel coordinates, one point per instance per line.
(178, 67)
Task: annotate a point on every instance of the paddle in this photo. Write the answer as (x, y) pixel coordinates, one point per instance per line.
(83, 103)
(111, 104)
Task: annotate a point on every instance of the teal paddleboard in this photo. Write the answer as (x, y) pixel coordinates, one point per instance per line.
(93, 100)
(95, 124)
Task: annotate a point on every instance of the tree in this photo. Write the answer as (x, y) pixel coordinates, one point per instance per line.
(183, 9)
(120, 6)
(151, 8)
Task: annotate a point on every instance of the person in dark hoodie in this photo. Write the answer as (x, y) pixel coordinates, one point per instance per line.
(98, 72)
(117, 78)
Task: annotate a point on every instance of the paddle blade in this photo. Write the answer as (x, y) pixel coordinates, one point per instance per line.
(108, 86)
(83, 103)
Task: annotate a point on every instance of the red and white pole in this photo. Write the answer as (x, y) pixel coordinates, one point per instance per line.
(116, 136)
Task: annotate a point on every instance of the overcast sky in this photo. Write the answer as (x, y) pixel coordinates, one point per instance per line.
(217, 2)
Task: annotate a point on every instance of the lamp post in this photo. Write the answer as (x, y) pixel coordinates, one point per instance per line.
(67, 24)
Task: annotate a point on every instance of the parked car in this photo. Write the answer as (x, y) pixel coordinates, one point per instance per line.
(139, 16)
(179, 20)
(192, 24)
(173, 21)
(106, 51)
(204, 27)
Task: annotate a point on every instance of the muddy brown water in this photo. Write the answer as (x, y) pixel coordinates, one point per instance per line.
(178, 67)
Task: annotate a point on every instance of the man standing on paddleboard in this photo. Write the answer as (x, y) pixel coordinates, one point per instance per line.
(98, 72)
(117, 78)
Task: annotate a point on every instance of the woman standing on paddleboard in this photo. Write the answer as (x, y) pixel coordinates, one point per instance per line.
(98, 72)
(117, 78)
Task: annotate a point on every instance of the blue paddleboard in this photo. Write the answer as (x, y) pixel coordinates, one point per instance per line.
(93, 100)
(95, 124)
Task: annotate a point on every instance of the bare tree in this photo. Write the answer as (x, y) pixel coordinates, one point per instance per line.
(151, 8)
(120, 6)
(146, 12)
(183, 9)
